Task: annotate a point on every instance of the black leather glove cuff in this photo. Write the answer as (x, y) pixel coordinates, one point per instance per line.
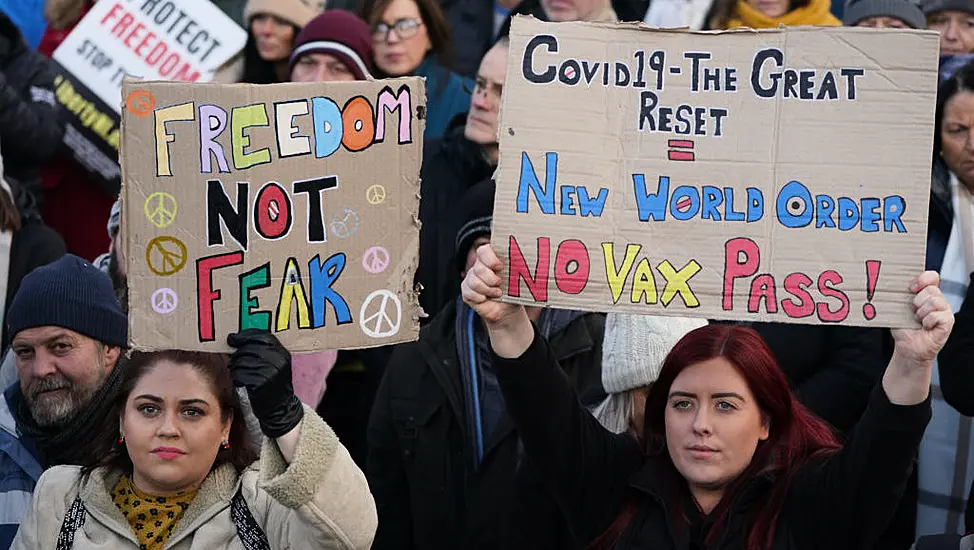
(279, 419)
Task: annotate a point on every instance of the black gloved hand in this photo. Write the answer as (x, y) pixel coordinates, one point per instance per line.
(263, 366)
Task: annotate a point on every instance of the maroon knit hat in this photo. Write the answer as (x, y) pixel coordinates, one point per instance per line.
(339, 33)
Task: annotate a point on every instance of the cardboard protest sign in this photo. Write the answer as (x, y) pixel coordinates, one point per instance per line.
(184, 40)
(291, 208)
(778, 175)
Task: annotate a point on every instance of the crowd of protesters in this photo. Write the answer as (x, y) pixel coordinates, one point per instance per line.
(502, 426)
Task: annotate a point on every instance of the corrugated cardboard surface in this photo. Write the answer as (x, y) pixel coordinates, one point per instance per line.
(877, 145)
(388, 221)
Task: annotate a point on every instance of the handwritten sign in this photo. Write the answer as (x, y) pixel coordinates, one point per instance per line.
(778, 175)
(290, 208)
(184, 40)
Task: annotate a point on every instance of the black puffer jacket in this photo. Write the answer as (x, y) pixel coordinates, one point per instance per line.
(30, 131)
(451, 166)
(842, 502)
(420, 462)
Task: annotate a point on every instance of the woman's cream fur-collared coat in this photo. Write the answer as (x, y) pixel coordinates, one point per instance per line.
(321, 500)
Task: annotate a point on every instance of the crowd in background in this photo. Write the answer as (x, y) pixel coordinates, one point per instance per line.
(500, 427)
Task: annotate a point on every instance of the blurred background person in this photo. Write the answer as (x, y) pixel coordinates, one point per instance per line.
(273, 26)
(413, 38)
(954, 20)
(884, 14)
(946, 461)
(466, 155)
(335, 46)
(769, 14)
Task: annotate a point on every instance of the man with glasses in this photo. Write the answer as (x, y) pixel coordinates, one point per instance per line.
(465, 155)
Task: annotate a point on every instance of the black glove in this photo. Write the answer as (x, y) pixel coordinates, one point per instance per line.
(263, 366)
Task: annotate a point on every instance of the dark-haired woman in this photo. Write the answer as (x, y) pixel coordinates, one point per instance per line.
(769, 14)
(412, 38)
(946, 463)
(179, 472)
(729, 458)
(272, 28)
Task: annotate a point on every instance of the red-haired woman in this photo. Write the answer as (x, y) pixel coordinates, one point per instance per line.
(731, 459)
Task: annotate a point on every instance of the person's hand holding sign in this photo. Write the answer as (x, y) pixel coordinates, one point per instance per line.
(263, 366)
(510, 329)
(907, 378)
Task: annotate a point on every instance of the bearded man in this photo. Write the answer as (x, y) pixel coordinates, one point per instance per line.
(68, 331)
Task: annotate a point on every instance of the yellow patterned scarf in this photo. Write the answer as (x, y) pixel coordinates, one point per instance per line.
(152, 518)
(815, 13)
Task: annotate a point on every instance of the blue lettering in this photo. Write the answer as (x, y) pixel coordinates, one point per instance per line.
(824, 211)
(567, 200)
(848, 214)
(529, 182)
(322, 277)
(794, 206)
(730, 214)
(651, 206)
(328, 129)
(870, 217)
(893, 208)
(589, 206)
(681, 195)
(755, 204)
(711, 200)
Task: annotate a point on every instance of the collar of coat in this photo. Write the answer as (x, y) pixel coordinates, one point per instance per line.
(291, 485)
(213, 496)
(659, 479)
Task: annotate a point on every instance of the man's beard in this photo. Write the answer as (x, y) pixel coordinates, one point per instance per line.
(50, 409)
(119, 283)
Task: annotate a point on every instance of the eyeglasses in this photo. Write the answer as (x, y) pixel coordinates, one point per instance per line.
(405, 29)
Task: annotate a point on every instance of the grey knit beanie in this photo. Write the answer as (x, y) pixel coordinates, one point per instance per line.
(634, 347)
(904, 10)
(933, 6)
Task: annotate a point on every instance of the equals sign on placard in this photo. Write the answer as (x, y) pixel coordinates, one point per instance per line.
(675, 154)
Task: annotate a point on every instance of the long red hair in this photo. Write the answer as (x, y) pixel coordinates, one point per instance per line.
(795, 437)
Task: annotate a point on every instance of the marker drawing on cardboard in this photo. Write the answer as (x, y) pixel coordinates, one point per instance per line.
(779, 175)
(251, 207)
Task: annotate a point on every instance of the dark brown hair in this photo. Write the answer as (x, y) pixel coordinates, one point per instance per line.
(256, 69)
(437, 27)
(212, 367)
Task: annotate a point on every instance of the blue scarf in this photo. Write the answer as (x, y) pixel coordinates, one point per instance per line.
(482, 398)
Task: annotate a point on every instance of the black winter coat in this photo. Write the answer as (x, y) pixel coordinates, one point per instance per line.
(451, 166)
(841, 502)
(832, 369)
(956, 368)
(419, 465)
(30, 131)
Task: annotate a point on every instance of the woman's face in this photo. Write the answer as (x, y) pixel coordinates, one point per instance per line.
(274, 37)
(400, 39)
(713, 424)
(172, 428)
(771, 8)
(957, 136)
(956, 30)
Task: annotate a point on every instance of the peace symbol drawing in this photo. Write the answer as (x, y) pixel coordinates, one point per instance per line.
(375, 194)
(164, 301)
(344, 223)
(160, 208)
(381, 323)
(375, 260)
(140, 103)
(165, 255)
